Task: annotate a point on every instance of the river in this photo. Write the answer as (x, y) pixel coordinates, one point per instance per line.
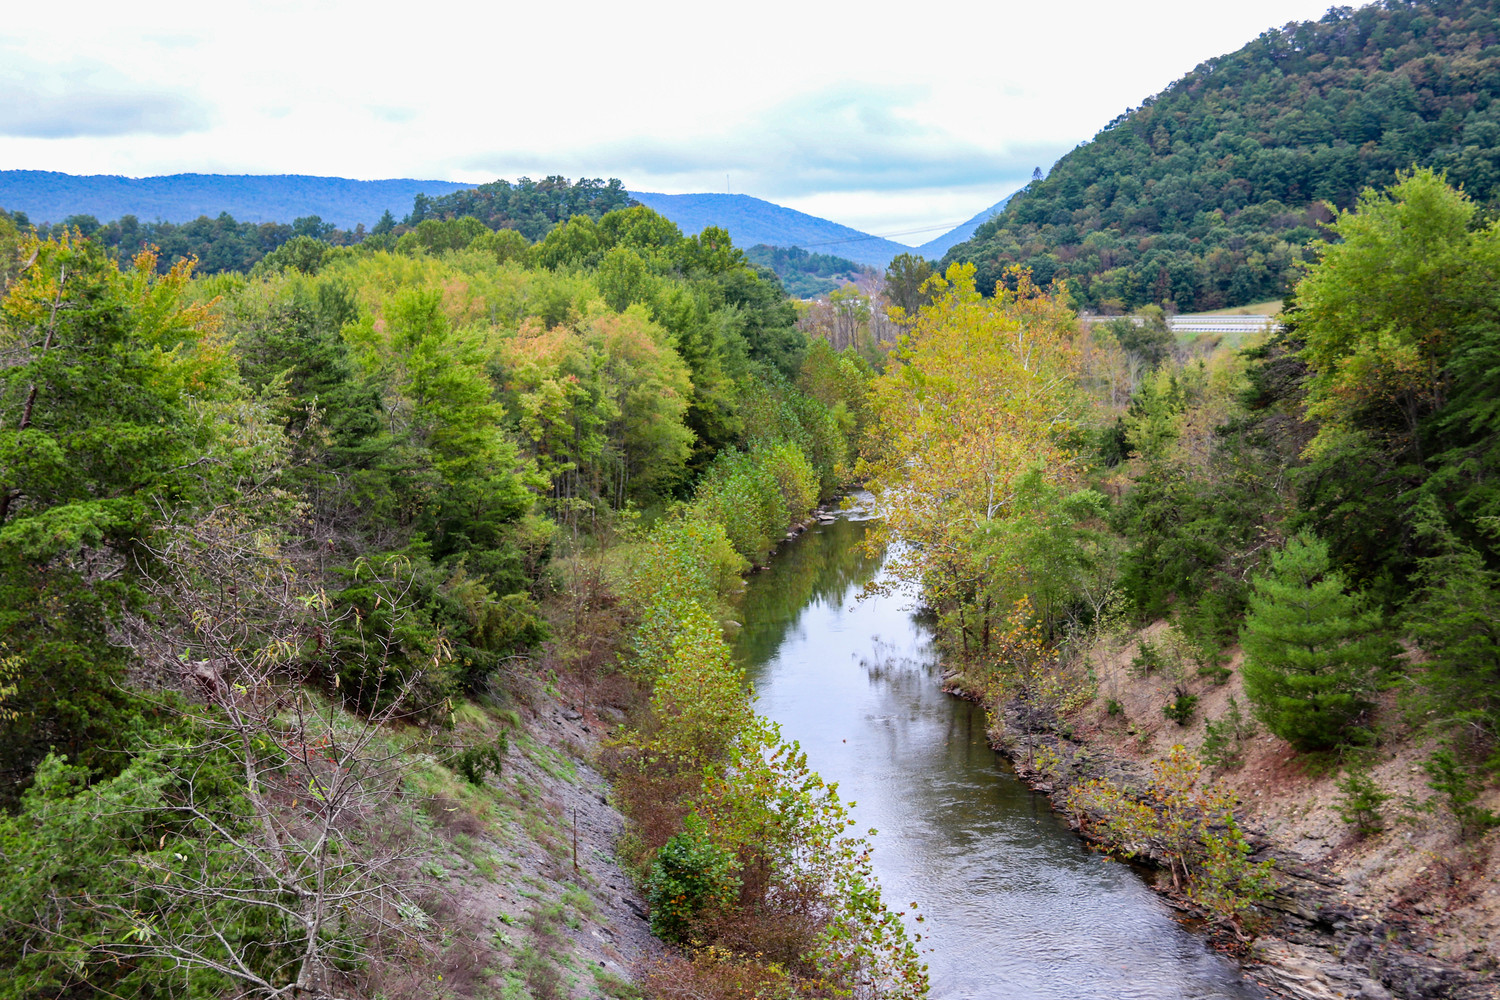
(1016, 906)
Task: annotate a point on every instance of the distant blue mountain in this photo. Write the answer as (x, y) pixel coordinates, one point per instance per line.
(751, 221)
(47, 196)
(934, 249)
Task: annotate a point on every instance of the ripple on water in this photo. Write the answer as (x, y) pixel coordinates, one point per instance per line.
(1016, 907)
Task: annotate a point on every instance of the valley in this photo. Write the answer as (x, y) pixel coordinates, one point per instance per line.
(543, 589)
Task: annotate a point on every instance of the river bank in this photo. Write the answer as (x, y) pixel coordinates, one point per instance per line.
(1330, 930)
(1324, 940)
(993, 870)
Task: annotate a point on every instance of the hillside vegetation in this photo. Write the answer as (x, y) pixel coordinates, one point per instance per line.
(1309, 523)
(289, 560)
(807, 275)
(1204, 196)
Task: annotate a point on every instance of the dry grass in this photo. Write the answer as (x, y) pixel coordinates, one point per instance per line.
(715, 974)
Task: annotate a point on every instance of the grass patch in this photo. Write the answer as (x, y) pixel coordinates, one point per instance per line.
(552, 763)
(1270, 307)
(579, 900)
(470, 713)
(612, 985)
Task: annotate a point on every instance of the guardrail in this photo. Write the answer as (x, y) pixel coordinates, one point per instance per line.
(1199, 323)
(1221, 324)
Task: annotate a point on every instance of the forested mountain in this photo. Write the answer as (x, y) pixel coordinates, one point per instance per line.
(806, 275)
(1204, 196)
(49, 196)
(527, 206)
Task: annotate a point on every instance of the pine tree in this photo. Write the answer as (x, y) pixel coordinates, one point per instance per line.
(112, 395)
(1455, 617)
(1312, 649)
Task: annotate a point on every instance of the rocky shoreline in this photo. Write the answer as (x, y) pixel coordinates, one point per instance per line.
(1320, 944)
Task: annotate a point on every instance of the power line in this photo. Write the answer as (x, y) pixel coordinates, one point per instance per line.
(883, 236)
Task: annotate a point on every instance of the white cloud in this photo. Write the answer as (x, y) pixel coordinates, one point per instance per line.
(67, 101)
(885, 115)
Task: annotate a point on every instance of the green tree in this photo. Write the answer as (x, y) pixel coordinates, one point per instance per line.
(10, 251)
(1451, 779)
(1398, 322)
(1378, 359)
(851, 317)
(1145, 338)
(112, 408)
(1455, 618)
(1360, 802)
(462, 481)
(502, 244)
(625, 277)
(906, 283)
(300, 253)
(574, 244)
(1313, 649)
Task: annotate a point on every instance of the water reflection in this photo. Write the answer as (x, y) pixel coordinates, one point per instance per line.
(1016, 907)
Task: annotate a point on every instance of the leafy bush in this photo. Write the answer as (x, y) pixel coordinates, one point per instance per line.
(481, 759)
(690, 878)
(755, 494)
(1193, 827)
(1182, 706)
(743, 495)
(794, 475)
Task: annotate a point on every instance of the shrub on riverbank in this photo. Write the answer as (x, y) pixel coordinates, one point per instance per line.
(742, 849)
(756, 494)
(1188, 825)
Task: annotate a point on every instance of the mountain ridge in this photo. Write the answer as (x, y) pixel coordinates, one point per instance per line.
(53, 196)
(1207, 194)
(934, 249)
(751, 221)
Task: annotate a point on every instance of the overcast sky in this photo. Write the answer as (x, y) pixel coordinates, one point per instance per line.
(888, 118)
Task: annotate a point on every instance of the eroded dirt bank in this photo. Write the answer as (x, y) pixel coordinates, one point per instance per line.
(1410, 912)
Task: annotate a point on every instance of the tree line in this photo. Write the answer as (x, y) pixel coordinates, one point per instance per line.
(530, 208)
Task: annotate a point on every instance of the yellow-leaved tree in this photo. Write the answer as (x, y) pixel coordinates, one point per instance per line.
(969, 439)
